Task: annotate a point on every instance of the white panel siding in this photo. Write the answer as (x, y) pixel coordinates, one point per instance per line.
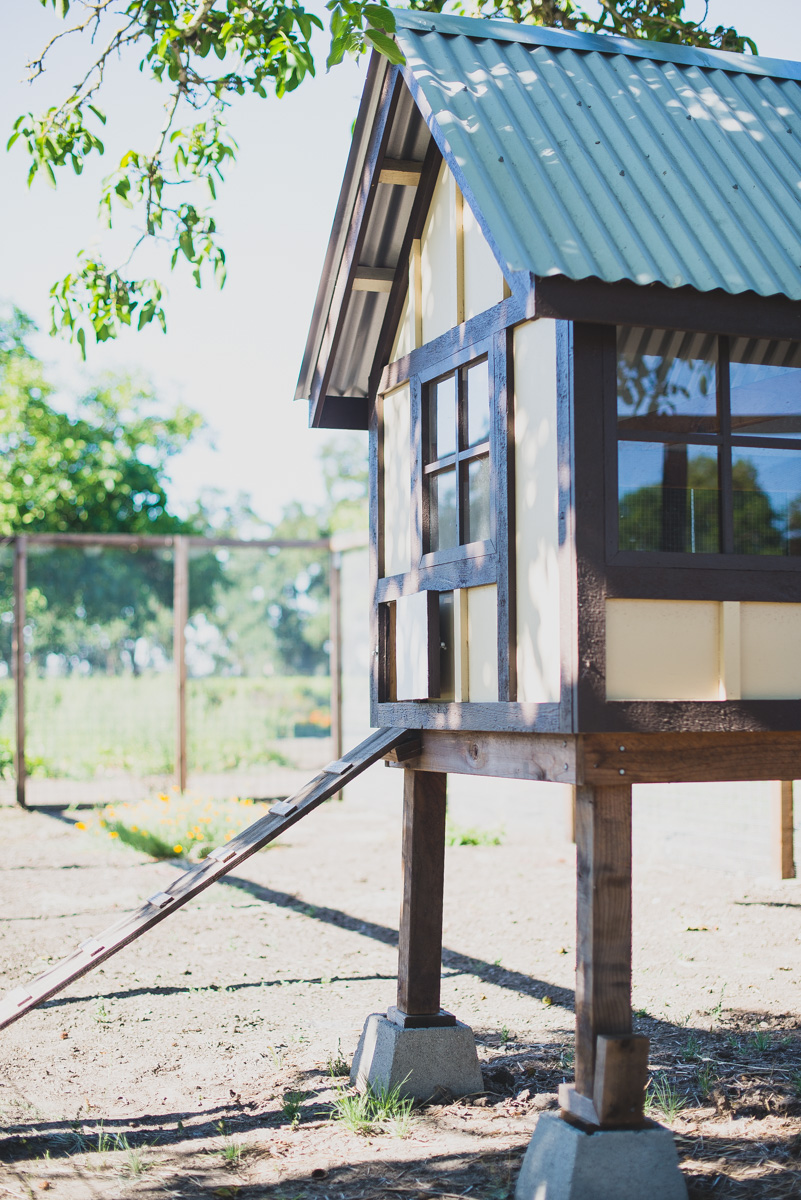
(482, 643)
(397, 506)
(537, 497)
(438, 260)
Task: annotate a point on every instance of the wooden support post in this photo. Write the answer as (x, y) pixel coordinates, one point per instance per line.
(18, 662)
(420, 945)
(335, 657)
(782, 829)
(603, 944)
(570, 813)
(180, 616)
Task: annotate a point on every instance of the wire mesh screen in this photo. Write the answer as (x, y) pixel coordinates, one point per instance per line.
(355, 646)
(99, 673)
(7, 711)
(257, 660)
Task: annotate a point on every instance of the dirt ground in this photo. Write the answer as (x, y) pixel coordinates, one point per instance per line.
(198, 1061)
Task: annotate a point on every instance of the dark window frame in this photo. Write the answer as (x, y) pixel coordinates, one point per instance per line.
(724, 441)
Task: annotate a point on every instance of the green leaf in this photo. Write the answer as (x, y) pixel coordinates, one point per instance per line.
(380, 17)
(386, 46)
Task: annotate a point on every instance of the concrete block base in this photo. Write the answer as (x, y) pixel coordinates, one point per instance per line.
(419, 1060)
(564, 1163)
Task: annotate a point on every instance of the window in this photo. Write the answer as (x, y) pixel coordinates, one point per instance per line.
(709, 444)
(456, 463)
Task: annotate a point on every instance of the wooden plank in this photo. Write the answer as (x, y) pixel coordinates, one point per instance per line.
(479, 716)
(603, 922)
(403, 171)
(335, 657)
(500, 755)
(689, 757)
(373, 279)
(420, 940)
(621, 1075)
(180, 616)
(782, 830)
(18, 663)
(196, 879)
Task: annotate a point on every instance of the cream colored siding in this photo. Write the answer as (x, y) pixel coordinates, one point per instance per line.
(537, 518)
(702, 650)
(411, 647)
(483, 281)
(404, 337)
(771, 651)
(438, 260)
(662, 650)
(397, 499)
(482, 643)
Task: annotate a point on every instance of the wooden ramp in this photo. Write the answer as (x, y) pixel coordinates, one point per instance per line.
(189, 883)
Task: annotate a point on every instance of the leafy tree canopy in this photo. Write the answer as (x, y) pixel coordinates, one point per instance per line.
(203, 54)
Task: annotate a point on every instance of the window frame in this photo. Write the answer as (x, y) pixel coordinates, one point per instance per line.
(724, 441)
(459, 459)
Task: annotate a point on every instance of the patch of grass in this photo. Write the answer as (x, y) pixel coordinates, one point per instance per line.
(662, 1096)
(760, 1041)
(691, 1048)
(374, 1110)
(337, 1064)
(464, 835)
(231, 1153)
(135, 1164)
(707, 1078)
(506, 1035)
(105, 1141)
(174, 825)
(291, 1106)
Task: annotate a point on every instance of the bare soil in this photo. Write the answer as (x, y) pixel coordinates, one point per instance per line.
(198, 1061)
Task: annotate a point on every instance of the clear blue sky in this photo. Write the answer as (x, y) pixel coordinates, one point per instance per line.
(234, 354)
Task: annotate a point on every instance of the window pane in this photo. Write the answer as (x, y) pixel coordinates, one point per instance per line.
(765, 388)
(666, 381)
(478, 500)
(442, 510)
(767, 501)
(478, 408)
(443, 418)
(668, 498)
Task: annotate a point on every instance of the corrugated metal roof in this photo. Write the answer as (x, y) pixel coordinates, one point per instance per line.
(595, 156)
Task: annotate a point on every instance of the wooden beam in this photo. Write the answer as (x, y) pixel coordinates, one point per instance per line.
(402, 171)
(689, 757)
(500, 755)
(782, 829)
(180, 615)
(603, 922)
(18, 662)
(335, 658)
(373, 279)
(621, 1076)
(420, 943)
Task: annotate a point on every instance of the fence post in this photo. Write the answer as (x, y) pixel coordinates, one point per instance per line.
(335, 660)
(180, 615)
(783, 829)
(18, 661)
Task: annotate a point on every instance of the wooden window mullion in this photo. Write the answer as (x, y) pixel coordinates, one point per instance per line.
(724, 462)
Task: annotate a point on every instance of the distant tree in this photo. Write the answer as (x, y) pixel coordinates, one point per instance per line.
(203, 54)
(100, 469)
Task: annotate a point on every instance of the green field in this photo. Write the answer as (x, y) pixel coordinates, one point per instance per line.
(79, 728)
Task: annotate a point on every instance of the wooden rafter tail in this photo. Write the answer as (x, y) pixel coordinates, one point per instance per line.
(90, 953)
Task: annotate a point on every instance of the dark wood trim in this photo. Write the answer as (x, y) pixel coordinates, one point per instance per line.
(470, 717)
(343, 412)
(420, 515)
(423, 858)
(457, 346)
(679, 757)
(357, 231)
(378, 632)
(444, 577)
(502, 508)
(625, 303)
(692, 716)
(453, 554)
(664, 581)
(392, 316)
(603, 921)
(593, 359)
(541, 757)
